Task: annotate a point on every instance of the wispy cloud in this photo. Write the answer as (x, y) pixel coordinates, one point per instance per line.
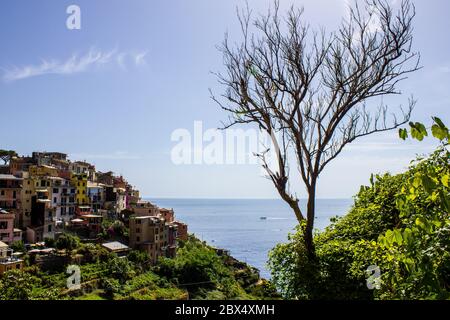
(139, 58)
(75, 64)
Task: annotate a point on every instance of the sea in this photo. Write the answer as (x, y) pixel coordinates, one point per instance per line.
(249, 229)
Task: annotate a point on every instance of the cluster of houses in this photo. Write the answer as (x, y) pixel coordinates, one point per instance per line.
(46, 194)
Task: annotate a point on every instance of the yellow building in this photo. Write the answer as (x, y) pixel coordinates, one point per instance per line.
(80, 182)
(27, 193)
(43, 171)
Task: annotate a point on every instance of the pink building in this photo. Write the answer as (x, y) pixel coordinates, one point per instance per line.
(10, 188)
(6, 226)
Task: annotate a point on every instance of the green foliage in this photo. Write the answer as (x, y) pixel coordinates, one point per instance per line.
(68, 242)
(399, 223)
(18, 246)
(197, 272)
(120, 269)
(194, 264)
(16, 285)
(93, 253)
(206, 275)
(50, 242)
(6, 155)
(138, 257)
(110, 286)
(19, 285)
(418, 130)
(113, 229)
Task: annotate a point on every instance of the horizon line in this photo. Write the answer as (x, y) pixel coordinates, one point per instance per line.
(228, 198)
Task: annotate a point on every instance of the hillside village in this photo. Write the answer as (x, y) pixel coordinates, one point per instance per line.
(45, 195)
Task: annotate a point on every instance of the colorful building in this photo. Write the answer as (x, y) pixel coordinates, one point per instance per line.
(10, 192)
(147, 234)
(42, 216)
(7, 226)
(7, 259)
(96, 194)
(79, 181)
(182, 230)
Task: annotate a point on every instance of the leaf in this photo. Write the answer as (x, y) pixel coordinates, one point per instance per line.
(428, 184)
(439, 133)
(445, 200)
(403, 134)
(407, 236)
(421, 223)
(445, 179)
(418, 130)
(417, 182)
(390, 238)
(439, 122)
(397, 235)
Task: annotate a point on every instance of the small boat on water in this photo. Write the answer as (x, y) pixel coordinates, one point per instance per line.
(263, 218)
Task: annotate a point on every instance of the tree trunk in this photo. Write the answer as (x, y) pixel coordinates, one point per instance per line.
(310, 214)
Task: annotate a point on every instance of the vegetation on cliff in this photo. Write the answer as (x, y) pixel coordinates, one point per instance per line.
(400, 223)
(198, 272)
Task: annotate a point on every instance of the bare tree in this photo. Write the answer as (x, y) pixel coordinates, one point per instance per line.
(314, 89)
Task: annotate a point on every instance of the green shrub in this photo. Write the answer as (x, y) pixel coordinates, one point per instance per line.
(399, 223)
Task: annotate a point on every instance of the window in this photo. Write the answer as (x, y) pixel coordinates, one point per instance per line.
(55, 190)
(138, 239)
(2, 192)
(54, 200)
(138, 230)
(49, 228)
(3, 225)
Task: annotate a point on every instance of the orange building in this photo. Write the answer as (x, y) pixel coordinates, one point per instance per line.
(182, 230)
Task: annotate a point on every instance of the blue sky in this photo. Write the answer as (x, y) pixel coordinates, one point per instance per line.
(113, 92)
